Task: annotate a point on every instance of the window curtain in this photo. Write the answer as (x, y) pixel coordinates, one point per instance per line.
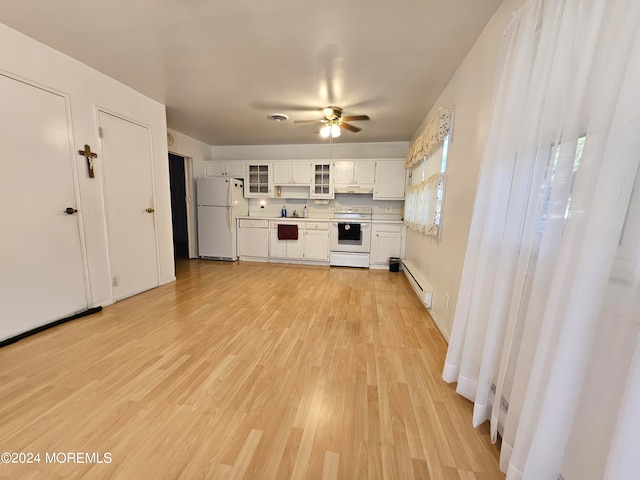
(423, 204)
(545, 339)
(431, 137)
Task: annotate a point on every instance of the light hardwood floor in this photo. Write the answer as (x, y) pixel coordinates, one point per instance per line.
(245, 370)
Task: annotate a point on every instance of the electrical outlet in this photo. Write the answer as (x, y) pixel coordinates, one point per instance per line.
(447, 300)
(331, 206)
(388, 209)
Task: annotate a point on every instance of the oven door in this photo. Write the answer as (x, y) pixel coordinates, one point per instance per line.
(354, 237)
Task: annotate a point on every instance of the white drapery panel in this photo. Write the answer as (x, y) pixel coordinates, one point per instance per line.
(545, 339)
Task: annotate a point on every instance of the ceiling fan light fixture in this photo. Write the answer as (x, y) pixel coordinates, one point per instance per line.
(325, 131)
(335, 130)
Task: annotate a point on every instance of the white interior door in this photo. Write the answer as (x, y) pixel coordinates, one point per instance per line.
(128, 181)
(41, 259)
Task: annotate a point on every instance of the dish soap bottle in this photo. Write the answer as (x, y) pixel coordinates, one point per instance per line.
(283, 213)
(304, 212)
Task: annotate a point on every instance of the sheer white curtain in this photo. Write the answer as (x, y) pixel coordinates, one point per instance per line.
(545, 339)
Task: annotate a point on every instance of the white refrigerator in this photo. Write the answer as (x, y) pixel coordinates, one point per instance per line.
(220, 201)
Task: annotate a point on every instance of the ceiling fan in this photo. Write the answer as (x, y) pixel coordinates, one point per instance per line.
(333, 122)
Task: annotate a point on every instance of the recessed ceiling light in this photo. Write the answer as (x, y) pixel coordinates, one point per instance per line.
(278, 117)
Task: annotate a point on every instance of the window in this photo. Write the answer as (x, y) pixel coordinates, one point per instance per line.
(574, 149)
(425, 195)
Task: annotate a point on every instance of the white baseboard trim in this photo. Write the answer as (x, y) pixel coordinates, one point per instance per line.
(425, 294)
(418, 283)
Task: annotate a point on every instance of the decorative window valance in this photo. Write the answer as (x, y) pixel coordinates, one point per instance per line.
(434, 133)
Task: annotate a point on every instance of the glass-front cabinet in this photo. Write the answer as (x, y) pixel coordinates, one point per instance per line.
(322, 184)
(258, 180)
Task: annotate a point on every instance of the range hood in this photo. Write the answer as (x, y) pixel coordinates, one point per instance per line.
(353, 189)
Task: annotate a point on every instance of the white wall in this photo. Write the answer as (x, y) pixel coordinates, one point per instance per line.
(470, 92)
(311, 151)
(89, 90)
(186, 146)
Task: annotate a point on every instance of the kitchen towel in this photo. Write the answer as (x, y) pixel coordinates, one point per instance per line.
(287, 232)
(348, 231)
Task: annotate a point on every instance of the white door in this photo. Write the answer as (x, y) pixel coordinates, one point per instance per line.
(365, 172)
(316, 245)
(281, 173)
(301, 173)
(215, 238)
(130, 205)
(295, 248)
(277, 248)
(254, 242)
(391, 180)
(343, 173)
(213, 191)
(386, 245)
(41, 258)
(235, 169)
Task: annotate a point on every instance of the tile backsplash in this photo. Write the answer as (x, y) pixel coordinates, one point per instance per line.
(271, 207)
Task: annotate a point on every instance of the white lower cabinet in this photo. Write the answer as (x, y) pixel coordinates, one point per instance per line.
(312, 243)
(277, 248)
(286, 248)
(316, 242)
(387, 240)
(253, 239)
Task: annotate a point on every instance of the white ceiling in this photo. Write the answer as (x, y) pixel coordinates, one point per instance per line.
(221, 67)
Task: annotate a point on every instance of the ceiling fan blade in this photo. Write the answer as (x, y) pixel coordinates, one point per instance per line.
(356, 118)
(350, 127)
(309, 121)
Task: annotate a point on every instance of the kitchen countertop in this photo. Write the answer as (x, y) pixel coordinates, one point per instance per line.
(312, 219)
(386, 220)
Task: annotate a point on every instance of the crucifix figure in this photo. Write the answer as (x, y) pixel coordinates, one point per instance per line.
(90, 156)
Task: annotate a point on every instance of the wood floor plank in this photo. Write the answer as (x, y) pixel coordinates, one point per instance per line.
(248, 371)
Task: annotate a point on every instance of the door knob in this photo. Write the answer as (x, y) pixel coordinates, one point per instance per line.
(70, 211)
(149, 210)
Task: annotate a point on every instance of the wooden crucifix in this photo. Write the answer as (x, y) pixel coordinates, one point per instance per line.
(90, 156)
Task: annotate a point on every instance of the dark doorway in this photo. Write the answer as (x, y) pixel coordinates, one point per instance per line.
(178, 206)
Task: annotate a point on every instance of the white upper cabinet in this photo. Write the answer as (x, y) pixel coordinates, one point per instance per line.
(343, 172)
(390, 180)
(291, 173)
(353, 176)
(259, 180)
(365, 172)
(235, 169)
(385, 178)
(213, 169)
(230, 168)
(322, 180)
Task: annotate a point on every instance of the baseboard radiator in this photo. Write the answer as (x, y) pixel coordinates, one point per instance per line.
(418, 283)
